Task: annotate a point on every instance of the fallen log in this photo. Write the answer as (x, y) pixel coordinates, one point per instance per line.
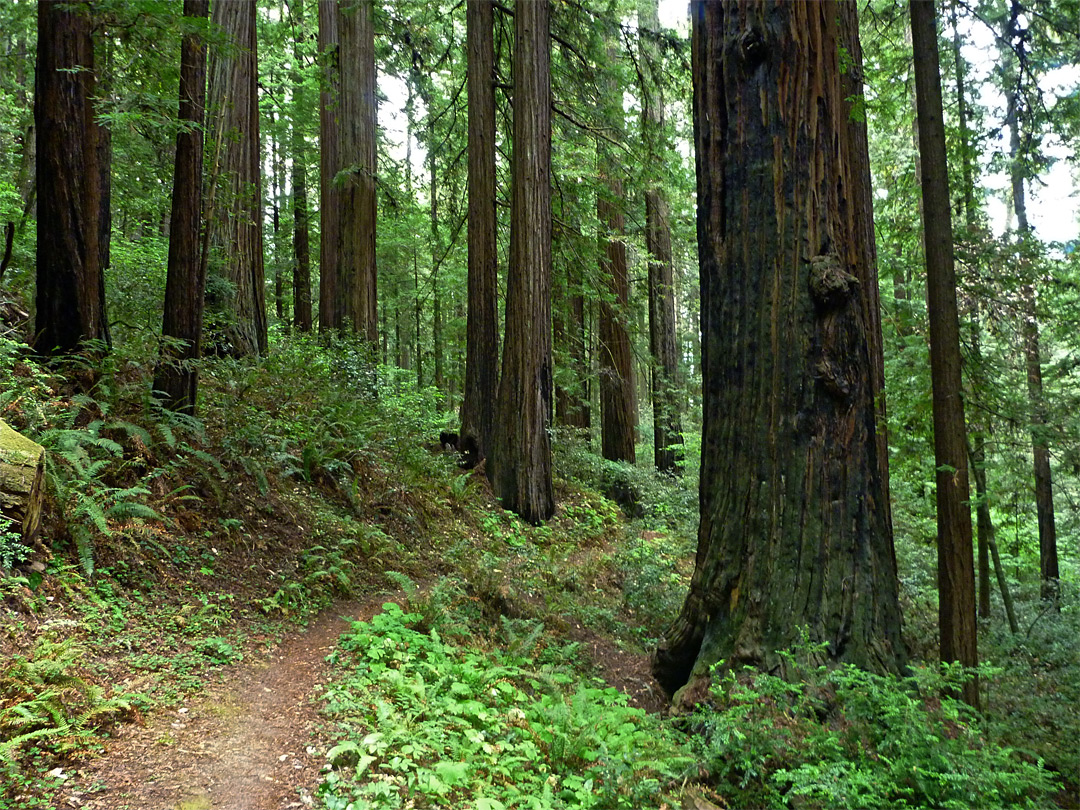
(22, 482)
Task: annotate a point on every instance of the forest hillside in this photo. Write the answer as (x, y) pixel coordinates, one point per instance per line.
(539, 404)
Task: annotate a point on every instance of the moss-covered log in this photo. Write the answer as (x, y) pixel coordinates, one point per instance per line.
(22, 473)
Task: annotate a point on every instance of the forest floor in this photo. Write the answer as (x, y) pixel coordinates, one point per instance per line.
(248, 742)
(251, 739)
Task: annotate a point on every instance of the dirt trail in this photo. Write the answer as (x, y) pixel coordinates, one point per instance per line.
(240, 745)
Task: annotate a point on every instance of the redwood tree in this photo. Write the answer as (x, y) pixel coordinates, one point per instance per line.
(185, 282)
(663, 345)
(795, 521)
(956, 571)
(70, 283)
(519, 461)
(235, 221)
(482, 334)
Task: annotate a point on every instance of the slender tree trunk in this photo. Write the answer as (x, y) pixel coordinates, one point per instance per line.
(618, 410)
(795, 522)
(482, 331)
(70, 285)
(276, 185)
(956, 576)
(333, 292)
(984, 524)
(176, 376)
(1029, 330)
(436, 293)
(236, 234)
(301, 271)
(991, 545)
(663, 344)
(519, 462)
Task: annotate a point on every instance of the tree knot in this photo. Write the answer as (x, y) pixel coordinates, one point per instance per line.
(830, 284)
(752, 48)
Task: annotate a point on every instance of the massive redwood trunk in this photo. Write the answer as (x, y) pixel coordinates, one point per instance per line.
(70, 285)
(235, 223)
(519, 462)
(176, 377)
(795, 523)
(482, 333)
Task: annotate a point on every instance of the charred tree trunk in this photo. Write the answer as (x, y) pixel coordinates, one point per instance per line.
(519, 462)
(663, 344)
(956, 574)
(236, 234)
(481, 330)
(176, 377)
(70, 285)
(795, 522)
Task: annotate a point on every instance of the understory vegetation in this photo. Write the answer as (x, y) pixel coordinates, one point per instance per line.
(509, 665)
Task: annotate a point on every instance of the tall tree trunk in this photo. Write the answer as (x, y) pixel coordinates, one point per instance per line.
(979, 472)
(70, 285)
(356, 26)
(276, 186)
(956, 575)
(519, 462)
(436, 293)
(663, 345)
(236, 235)
(795, 528)
(176, 376)
(333, 293)
(482, 330)
(984, 525)
(617, 400)
(1029, 330)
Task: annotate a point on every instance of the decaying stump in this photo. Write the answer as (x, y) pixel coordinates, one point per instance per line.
(22, 484)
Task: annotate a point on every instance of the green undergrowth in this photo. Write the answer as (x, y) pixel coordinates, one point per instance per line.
(427, 720)
(845, 738)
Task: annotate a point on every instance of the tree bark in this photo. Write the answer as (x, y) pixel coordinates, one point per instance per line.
(356, 26)
(956, 574)
(663, 344)
(236, 234)
(795, 521)
(70, 285)
(519, 464)
(618, 409)
(176, 376)
(481, 331)
(333, 292)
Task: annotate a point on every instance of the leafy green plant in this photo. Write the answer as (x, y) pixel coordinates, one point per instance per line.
(46, 704)
(846, 738)
(428, 722)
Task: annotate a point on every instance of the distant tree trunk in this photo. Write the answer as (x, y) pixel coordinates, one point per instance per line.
(482, 331)
(617, 401)
(70, 285)
(276, 185)
(356, 26)
(956, 574)
(795, 528)
(333, 292)
(236, 234)
(103, 138)
(1029, 330)
(979, 472)
(436, 296)
(519, 461)
(574, 408)
(663, 345)
(301, 275)
(176, 378)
